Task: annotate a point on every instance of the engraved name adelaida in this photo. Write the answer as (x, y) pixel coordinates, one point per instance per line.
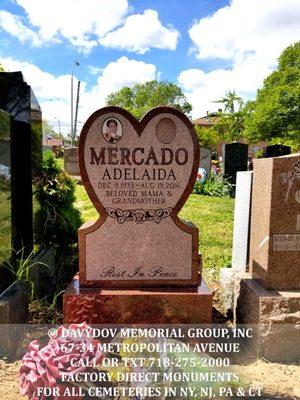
(138, 156)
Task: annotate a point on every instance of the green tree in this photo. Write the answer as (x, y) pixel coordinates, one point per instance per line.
(48, 130)
(275, 114)
(1, 68)
(230, 100)
(230, 124)
(142, 97)
(207, 137)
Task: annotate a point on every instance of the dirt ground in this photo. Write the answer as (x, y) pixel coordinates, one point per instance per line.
(279, 381)
(282, 381)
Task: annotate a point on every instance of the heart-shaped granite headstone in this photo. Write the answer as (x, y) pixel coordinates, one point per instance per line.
(138, 176)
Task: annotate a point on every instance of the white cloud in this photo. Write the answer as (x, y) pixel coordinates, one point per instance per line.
(123, 72)
(203, 88)
(53, 92)
(13, 25)
(140, 32)
(45, 85)
(82, 22)
(251, 34)
(264, 27)
(93, 70)
(88, 23)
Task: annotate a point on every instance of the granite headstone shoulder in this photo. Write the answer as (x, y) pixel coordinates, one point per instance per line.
(275, 223)
(138, 176)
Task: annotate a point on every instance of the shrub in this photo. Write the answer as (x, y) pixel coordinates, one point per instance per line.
(56, 221)
(259, 153)
(198, 188)
(215, 185)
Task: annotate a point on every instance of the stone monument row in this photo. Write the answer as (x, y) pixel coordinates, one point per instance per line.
(138, 176)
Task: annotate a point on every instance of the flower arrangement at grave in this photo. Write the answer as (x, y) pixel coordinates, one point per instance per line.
(74, 363)
(54, 365)
(214, 185)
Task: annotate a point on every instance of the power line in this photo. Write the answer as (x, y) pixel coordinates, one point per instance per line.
(81, 123)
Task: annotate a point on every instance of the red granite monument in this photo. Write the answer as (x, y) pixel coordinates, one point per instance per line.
(139, 257)
(270, 293)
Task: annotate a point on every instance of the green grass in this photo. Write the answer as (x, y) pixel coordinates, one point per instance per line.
(212, 215)
(5, 224)
(214, 218)
(60, 162)
(84, 205)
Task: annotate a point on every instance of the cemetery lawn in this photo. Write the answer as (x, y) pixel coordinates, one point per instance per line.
(60, 162)
(212, 215)
(5, 238)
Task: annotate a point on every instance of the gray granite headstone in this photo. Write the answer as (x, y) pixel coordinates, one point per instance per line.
(240, 249)
(230, 277)
(205, 159)
(71, 164)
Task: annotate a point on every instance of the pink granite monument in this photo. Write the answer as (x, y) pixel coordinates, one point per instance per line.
(275, 231)
(138, 174)
(138, 182)
(270, 293)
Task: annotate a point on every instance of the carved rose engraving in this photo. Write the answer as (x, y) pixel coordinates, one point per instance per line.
(289, 177)
(139, 215)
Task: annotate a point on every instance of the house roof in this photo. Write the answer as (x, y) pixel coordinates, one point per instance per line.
(51, 141)
(208, 120)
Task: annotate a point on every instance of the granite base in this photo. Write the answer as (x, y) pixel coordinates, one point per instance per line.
(143, 306)
(13, 313)
(276, 317)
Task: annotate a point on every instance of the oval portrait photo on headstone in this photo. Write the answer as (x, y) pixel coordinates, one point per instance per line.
(112, 130)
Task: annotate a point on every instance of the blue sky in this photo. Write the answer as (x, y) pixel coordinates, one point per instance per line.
(207, 47)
